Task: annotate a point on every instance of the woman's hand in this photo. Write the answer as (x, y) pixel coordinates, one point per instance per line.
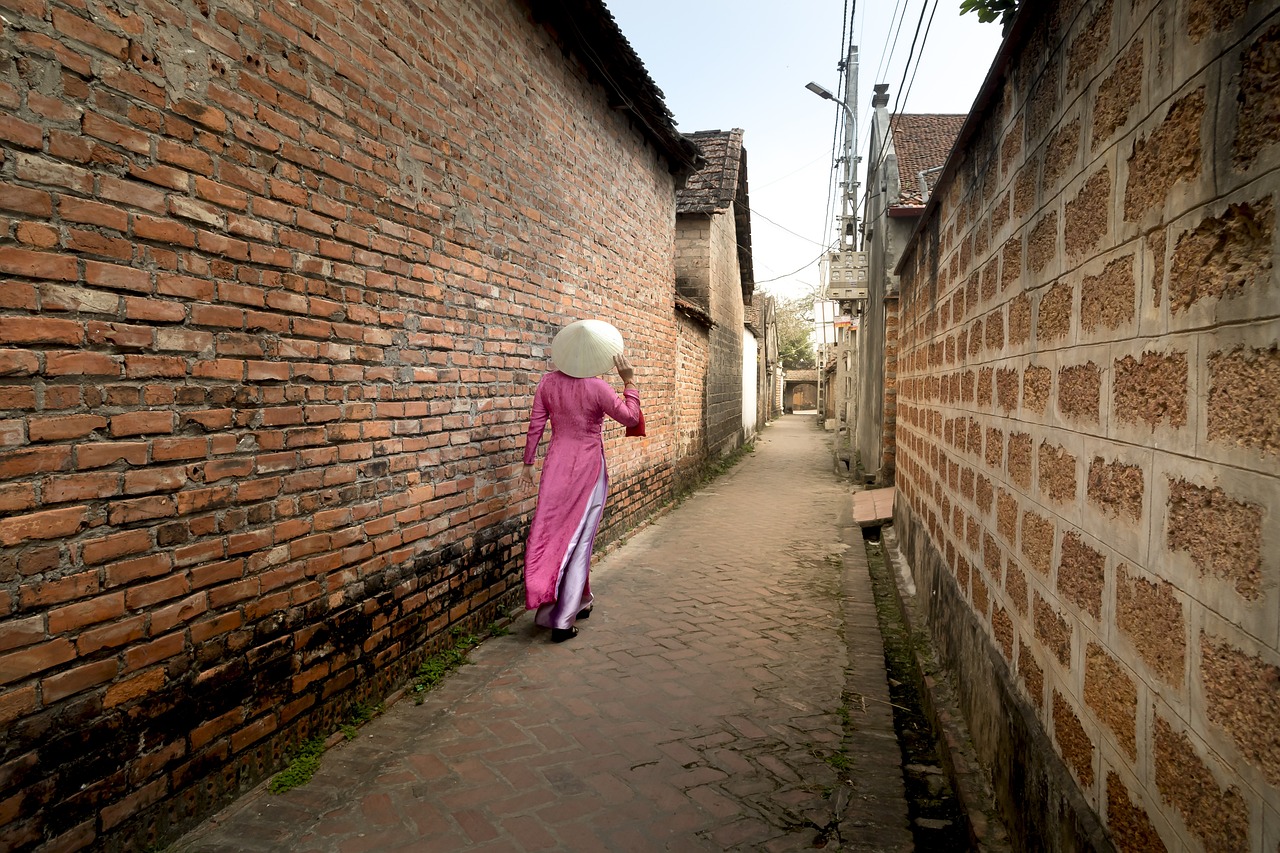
(525, 480)
(625, 372)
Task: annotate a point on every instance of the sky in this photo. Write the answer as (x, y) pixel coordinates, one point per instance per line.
(744, 63)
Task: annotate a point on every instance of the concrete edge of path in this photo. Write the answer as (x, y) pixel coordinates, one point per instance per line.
(969, 778)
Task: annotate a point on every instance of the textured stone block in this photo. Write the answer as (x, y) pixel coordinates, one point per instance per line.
(1008, 383)
(1031, 673)
(1151, 615)
(1024, 190)
(1015, 586)
(1223, 536)
(1053, 631)
(1116, 488)
(984, 494)
(1118, 94)
(1206, 17)
(1074, 742)
(1151, 390)
(1011, 145)
(1130, 825)
(1002, 630)
(1091, 44)
(1053, 315)
(1006, 518)
(1259, 98)
(1242, 693)
(1037, 383)
(1087, 216)
(1037, 541)
(1112, 695)
(1080, 391)
(1169, 155)
(1219, 818)
(1019, 464)
(1011, 262)
(1244, 387)
(1057, 473)
(1061, 153)
(1107, 300)
(978, 593)
(1081, 574)
(1042, 243)
(1223, 257)
(995, 447)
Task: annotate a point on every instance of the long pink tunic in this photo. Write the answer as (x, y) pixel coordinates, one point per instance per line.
(572, 468)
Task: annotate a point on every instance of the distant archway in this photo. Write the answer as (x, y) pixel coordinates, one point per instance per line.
(801, 396)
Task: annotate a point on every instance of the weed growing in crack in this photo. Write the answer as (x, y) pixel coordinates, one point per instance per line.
(433, 670)
(302, 766)
(360, 714)
(305, 758)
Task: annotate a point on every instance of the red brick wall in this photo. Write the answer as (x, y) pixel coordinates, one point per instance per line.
(889, 428)
(1089, 336)
(692, 363)
(278, 281)
(708, 274)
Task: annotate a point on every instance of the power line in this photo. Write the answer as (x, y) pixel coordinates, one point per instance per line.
(783, 227)
(904, 90)
(796, 271)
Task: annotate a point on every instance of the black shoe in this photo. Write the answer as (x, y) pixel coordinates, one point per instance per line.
(584, 614)
(559, 635)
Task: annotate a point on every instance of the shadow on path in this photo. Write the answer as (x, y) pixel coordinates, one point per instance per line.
(727, 693)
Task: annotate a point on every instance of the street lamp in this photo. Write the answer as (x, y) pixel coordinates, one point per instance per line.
(822, 93)
(848, 216)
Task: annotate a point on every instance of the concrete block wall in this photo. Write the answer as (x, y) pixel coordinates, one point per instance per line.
(278, 281)
(1088, 439)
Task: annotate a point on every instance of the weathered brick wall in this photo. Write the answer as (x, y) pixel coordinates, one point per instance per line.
(278, 281)
(724, 379)
(708, 274)
(889, 422)
(1088, 430)
(690, 398)
(693, 259)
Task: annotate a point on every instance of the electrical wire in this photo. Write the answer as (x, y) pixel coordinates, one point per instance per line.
(904, 90)
(754, 212)
(795, 272)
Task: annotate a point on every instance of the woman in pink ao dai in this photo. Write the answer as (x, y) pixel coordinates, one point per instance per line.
(572, 490)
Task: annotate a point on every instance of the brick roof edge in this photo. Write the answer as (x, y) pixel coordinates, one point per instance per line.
(694, 312)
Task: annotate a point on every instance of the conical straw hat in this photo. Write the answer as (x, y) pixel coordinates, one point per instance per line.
(586, 348)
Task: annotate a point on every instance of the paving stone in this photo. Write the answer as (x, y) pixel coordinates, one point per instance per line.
(695, 711)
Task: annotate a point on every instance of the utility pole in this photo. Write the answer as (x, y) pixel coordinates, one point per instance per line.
(845, 274)
(848, 208)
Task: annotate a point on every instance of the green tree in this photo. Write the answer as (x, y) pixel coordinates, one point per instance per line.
(795, 323)
(991, 10)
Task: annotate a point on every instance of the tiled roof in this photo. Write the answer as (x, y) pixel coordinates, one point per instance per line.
(921, 142)
(720, 184)
(712, 188)
(587, 28)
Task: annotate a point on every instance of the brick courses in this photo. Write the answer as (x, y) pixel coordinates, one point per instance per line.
(1140, 464)
(278, 284)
